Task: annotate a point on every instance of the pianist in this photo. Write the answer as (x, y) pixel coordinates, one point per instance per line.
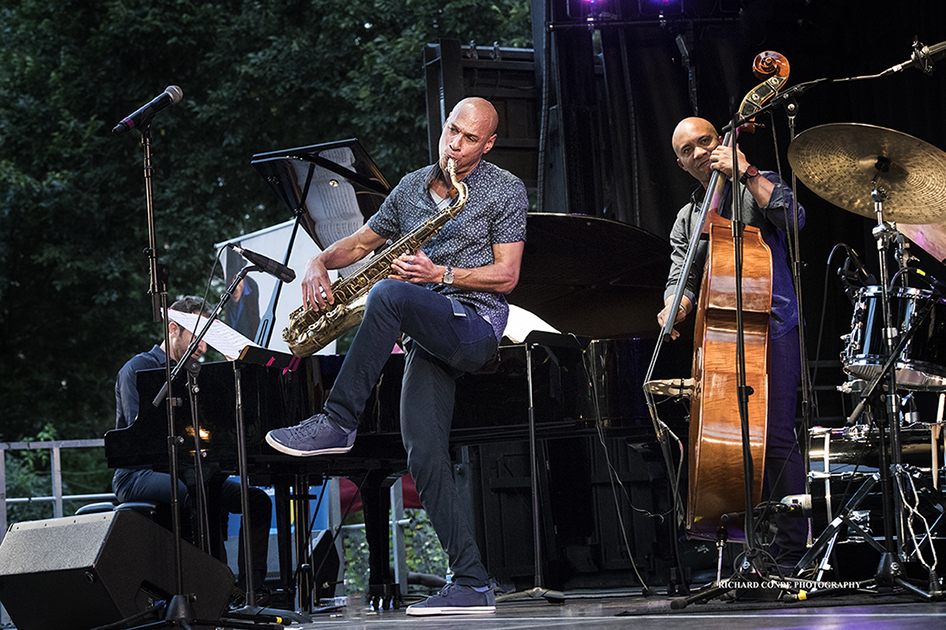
(148, 486)
(448, 300)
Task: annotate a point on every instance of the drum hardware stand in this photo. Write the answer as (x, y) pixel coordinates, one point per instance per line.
(825, 543)
(890, 569)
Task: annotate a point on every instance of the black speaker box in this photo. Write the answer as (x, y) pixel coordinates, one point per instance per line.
(86, 571)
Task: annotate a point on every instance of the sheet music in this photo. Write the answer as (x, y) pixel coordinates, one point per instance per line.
(521, 322)
(220, 337)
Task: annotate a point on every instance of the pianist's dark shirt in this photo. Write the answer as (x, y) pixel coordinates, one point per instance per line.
(126, 385)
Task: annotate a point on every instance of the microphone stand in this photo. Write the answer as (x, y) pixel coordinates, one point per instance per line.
(791, 110)
(742, 390)
(179, 611)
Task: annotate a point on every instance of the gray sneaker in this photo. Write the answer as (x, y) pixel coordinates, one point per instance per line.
(315, 436)
(456, 599)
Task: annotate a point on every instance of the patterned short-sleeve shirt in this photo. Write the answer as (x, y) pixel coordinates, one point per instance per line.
(495, 213)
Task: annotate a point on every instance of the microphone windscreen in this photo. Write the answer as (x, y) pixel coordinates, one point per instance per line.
(175, 93)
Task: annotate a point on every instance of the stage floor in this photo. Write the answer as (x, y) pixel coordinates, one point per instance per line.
(605, 611)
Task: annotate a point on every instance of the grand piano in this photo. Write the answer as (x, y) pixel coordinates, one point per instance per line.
(599, 282)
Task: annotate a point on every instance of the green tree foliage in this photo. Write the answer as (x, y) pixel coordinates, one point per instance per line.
(257, 76)
(423, 553)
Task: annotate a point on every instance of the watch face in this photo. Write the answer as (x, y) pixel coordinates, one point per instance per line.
(752, 171)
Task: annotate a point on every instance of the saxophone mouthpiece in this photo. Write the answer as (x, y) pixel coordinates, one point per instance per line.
(450, 172)
(459, 191)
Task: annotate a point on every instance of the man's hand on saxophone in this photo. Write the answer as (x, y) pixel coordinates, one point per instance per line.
(316, 285)
(415, 268)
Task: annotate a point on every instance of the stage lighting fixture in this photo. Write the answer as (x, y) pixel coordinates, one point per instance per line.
(660, 7)
(592, 9)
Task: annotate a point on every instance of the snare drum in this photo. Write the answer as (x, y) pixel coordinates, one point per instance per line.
(840, 460)
(922, 365)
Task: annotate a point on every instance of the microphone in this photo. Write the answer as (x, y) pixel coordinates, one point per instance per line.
(792, 504)
(268, 265)
(798, 504)
(937, 285)
(923, 57)
(854, 279)
(172, 94)
(866, 275)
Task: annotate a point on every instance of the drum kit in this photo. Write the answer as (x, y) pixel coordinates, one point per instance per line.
(897, 344)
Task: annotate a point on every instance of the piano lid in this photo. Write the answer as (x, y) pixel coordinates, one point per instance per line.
(333, 187)
(592, 277)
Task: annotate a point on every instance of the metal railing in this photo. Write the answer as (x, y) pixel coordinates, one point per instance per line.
(55, 461)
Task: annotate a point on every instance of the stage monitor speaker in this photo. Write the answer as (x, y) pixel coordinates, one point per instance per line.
(86, 571)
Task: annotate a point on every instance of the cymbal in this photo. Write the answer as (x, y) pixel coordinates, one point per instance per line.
(838, 162)
(931, 238)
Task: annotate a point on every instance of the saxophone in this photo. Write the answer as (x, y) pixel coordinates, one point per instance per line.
(311, 329)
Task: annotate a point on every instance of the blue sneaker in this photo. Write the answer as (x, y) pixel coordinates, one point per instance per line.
(456, 599)
(315, 436)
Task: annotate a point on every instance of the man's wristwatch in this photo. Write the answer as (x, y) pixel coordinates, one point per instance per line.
(750, 171)
(447, 275)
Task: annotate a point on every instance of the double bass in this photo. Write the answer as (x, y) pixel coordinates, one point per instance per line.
(717, 474)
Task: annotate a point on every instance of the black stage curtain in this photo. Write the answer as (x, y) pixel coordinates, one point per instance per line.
(643, 89)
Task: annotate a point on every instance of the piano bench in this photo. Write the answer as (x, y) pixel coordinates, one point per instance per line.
(95, 508)
(150, 510)
(145, 509)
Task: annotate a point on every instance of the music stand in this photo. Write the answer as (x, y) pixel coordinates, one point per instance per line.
(331, 189)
